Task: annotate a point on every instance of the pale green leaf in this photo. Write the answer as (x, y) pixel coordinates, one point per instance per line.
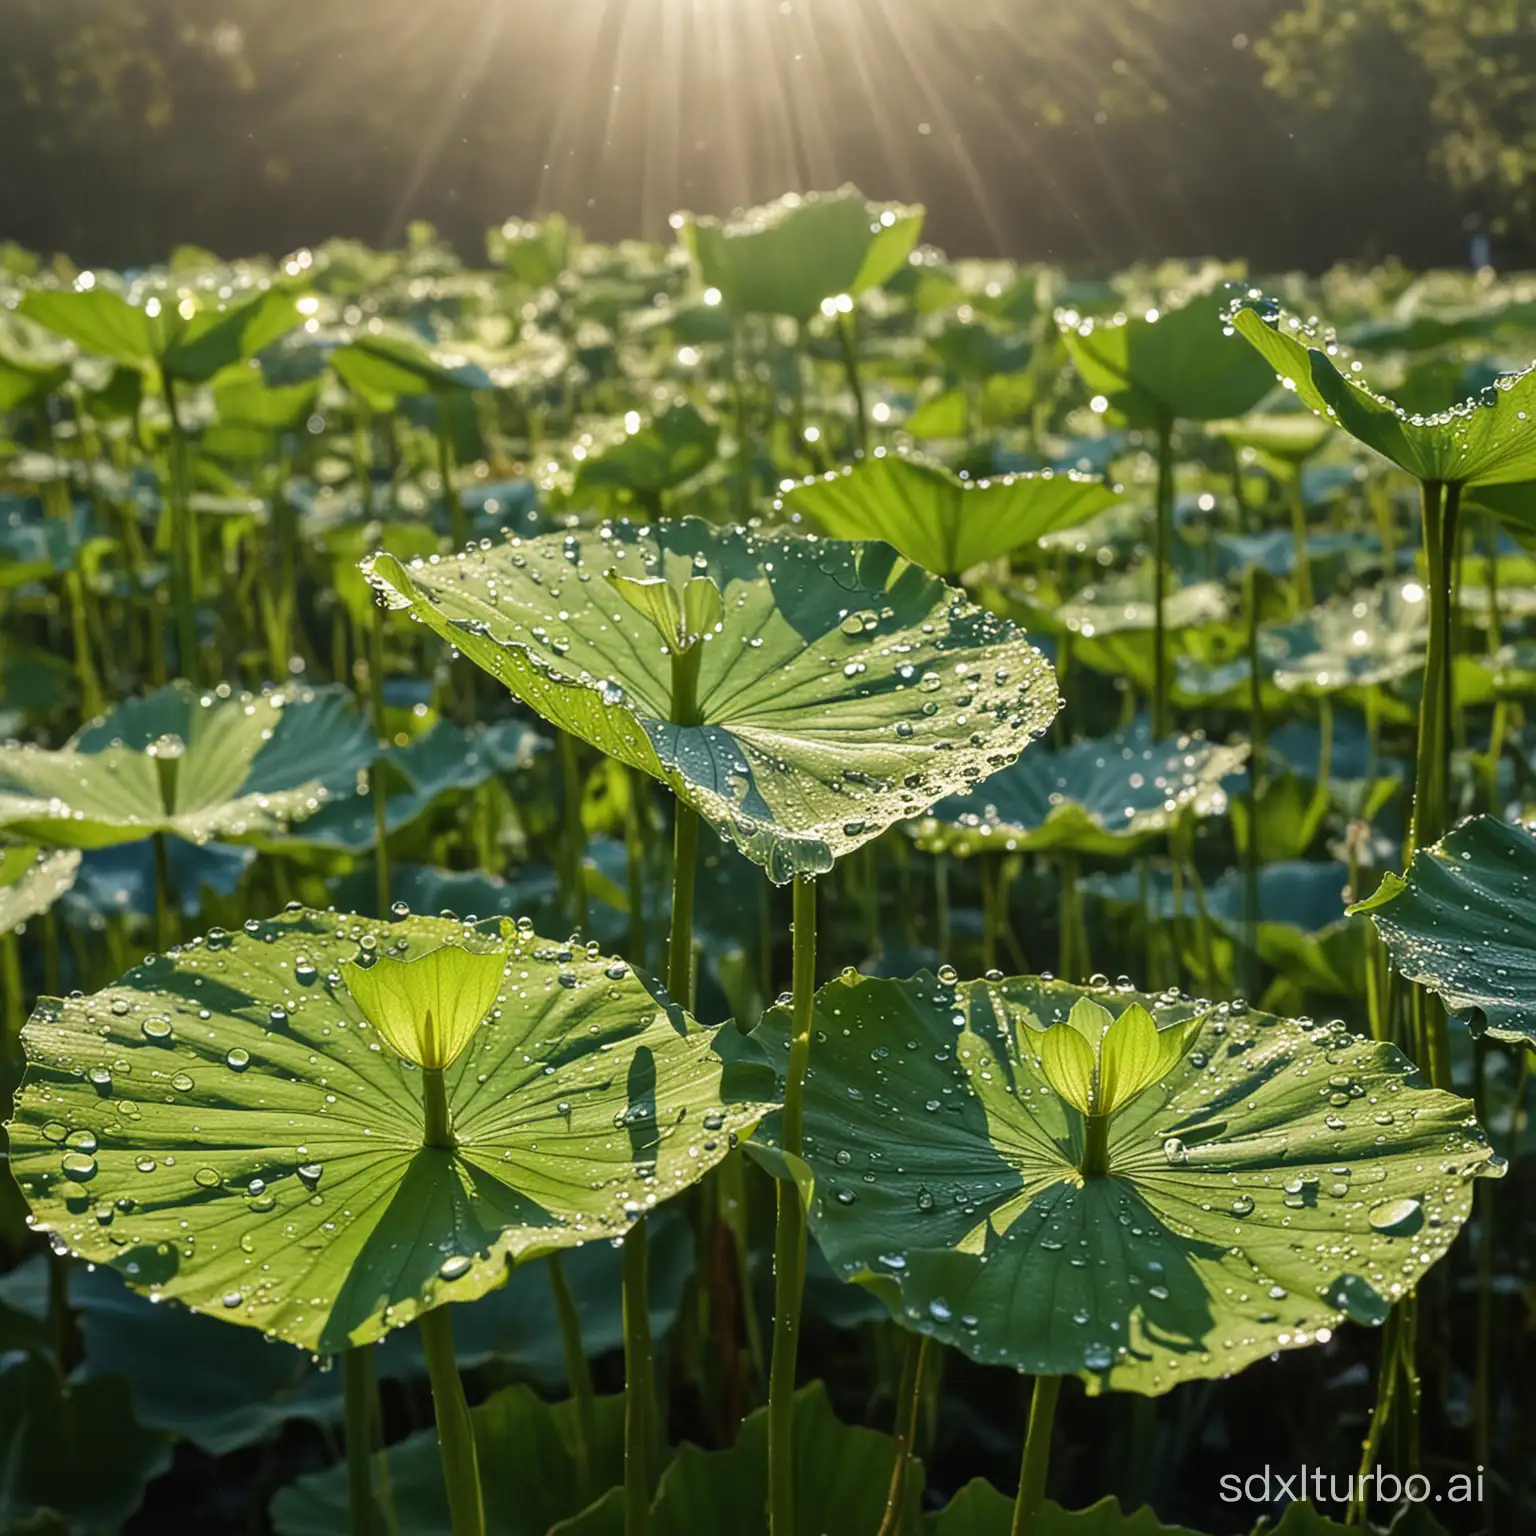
(844, 689)
(428, 1006)
(222, 1128)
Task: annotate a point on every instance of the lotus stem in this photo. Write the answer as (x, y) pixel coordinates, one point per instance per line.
(685, 849)
(1071, 960)
(357, 1390)
(634, 862)
(1251, 853)
(790, 1237)
(1482, 1389)
(575, 838)
(10, 984)
(453, 508)
(165, 919)
(1037, 1456)
(455, 1428)
(743, 434)
(183, 541)
(1299, 534)
(909, 1398)
(376, 787)
(578, 1376)
(1162, 556)
(1095, 1164)
(1431, 792)
(848, 337)
(438, 1125)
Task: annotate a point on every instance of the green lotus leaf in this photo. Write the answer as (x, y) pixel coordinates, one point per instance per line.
(191, 333)
(534, 251)
(940, 522)
(74, 1452)
(1487, 440)
(389, 363)
(1514, 504)
(1177, 363)
(31, 880)
(1101, 798)
(529, 1472)
(786, 258)
(980, 1510)
(1004, 400)
(646, 458)
(1283, 1177)
(1358, 641)
(234, 1089)
(1462, 922)
(416, 775)
(200, 765)
(233, 1386)
(1288, 439)
(975, 349)
(842, 1478)
(844, 689)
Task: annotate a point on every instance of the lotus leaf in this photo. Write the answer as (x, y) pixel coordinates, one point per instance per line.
(843, 690)
(238, 1078)
(1284, 1177)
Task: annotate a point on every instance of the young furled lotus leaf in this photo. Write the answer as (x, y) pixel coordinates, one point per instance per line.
(189, 330)
(939, 521)
(802, 694)
(980, 1510)
(230, 1127)
(1487, 440)
(1279, 1177)
(31, 880)
(785, 258)
(1462, 922)
(199, 765)
(1174, 363)
(1100, 798)
(646, 458)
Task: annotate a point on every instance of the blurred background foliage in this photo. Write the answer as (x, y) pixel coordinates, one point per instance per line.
(1289, 132)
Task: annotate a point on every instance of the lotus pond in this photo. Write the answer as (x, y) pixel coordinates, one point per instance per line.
(777, 886)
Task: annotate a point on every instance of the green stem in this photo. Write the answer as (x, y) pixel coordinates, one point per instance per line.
(357, 1390)
(1252, 853)
(1299, 534)
(1095, 1164)
(10, 982)
(183, 541)
(574, 840)
(635, 811)
(1482, 1390)
(376, 787)
(685, 848)
(847, 335)
(453, 507)
(1162, 557)
(1070, 961)
(455, 1429)
(743, 437)
(165, 918)
(909, 1399)
(1037, 1456)
(1431, 795)
(639, 1384)
(578, 1375)
(437, 1128)
(789, 1238)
